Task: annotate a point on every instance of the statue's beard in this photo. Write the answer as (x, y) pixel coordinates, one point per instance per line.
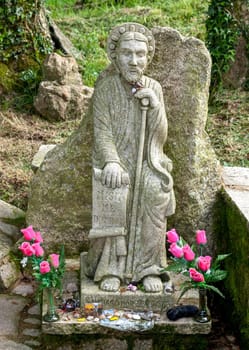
(132, 75)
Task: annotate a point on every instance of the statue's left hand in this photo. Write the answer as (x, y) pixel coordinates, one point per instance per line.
(149, 94)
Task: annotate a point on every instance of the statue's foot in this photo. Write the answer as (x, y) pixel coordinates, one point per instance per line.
(152, 284)
(110, 284)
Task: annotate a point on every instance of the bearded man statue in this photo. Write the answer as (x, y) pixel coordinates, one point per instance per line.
(130, 130)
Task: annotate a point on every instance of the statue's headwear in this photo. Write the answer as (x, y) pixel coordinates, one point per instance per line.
(118, 31)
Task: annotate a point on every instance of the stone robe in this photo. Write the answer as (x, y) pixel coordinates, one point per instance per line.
(117, 127)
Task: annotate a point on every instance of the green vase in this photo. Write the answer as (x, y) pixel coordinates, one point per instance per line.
(202, 315)
(51, 315)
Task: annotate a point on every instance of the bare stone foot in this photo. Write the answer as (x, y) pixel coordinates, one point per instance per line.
(110, 284)
(152, 284)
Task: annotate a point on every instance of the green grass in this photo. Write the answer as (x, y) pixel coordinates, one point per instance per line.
(88, 27)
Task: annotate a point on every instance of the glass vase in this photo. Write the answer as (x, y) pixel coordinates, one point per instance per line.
(202, 315)
(51, 315)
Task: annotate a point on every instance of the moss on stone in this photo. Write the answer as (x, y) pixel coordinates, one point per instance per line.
(232, 237)
(7, 78)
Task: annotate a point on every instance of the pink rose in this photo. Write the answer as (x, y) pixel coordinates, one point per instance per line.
(28, 233)
(27, 249)
(195, 275)
(172, 236)
(204, 263)
(201, 237)
(38, 249)
(44, 267)
(175, 250)
(38, 237)
(188, 253)
(54, 258)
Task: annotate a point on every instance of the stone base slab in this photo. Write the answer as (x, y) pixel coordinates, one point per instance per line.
(156, 302)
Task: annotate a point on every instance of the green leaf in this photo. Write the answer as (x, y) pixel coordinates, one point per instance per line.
(222, 257)
(214, 289)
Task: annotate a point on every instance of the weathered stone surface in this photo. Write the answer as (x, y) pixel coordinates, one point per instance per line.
(62, 69)
(233, 239)
(182, 66)
(11, 219)
(10, 307)
(59, 102)
(24, 289)
(40, 155)
(32, 332)
(146, 344)
(60, 200)
(61, 94)
(62, 42)
(35, 310)
(9, 272)
(6, 344)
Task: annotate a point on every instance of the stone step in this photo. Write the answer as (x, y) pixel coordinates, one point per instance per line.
(139, 301)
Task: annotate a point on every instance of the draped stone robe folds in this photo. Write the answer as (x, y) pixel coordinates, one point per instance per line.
(117, 127)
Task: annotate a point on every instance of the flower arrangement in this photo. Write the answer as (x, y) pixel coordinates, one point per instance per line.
(190, 261)
(48, 272)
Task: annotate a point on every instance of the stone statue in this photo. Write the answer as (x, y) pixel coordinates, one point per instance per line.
(132, 186)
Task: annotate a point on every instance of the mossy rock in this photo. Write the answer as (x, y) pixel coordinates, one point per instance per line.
(7, 78)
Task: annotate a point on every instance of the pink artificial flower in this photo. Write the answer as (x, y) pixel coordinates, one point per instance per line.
(201, 237)
(28, 233)
(38, 249)
(132, 288)
(188, 253)
(27, 249)
(204, 263)
(38, 237)
(196, 276)
(54, 258)
(172, 236)
(175, 250)
(44, 267)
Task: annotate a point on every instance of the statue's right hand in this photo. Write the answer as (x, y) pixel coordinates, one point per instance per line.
(114, 176)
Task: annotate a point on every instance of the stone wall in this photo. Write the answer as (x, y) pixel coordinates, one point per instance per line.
(234, 238)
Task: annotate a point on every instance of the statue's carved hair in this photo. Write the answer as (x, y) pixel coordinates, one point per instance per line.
(129, 31)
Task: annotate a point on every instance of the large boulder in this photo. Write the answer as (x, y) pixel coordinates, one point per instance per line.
(183, 66)
(61, 197)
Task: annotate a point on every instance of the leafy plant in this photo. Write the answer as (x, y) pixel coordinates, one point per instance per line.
(222, 34)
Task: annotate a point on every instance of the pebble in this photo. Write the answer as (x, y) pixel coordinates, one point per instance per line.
(136, 317)
(34, 310)
(90, 318)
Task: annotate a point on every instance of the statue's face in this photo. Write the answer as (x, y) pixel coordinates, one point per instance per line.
(132, 59)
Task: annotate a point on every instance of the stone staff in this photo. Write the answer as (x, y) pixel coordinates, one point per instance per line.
(131, 246)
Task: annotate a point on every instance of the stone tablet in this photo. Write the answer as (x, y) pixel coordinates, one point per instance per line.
(109, 209)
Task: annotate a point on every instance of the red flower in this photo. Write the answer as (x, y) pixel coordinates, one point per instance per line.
(44, 267)
(28, 233)
(196, 276)
(189, 255)
(176, 250)
(204, 263)
(27, 249)
(201, 237)
(172, 236)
